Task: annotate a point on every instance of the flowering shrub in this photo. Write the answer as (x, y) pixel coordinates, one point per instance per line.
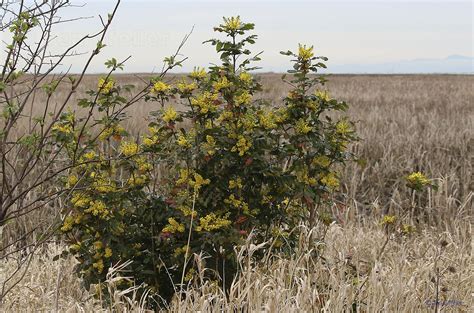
(201, 180)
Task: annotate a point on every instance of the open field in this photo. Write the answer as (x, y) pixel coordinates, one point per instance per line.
(406, 123)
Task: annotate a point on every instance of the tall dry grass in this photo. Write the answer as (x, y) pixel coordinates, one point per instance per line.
(406, 123)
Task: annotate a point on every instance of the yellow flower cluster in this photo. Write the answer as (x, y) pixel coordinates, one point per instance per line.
(90, 155)
(281, 115)
(62, 128)
(68, 223)
(198, 74)
(232, 24)
(71, 181)
(267, 120)
(198, 182)
(128, 148)
(418, 179)
(152, 139)
(222, 83)
(185, 140)
(237, 203)
(105, 85)
(243, 99)
(246, 78)
(173, 226)
(305, 53)
(210, 145)
(302, 127)
(137, 180)
(303, 177)
(107, 252)
(330, 180)
(388, 219)
(205, 102)
(80, 200)
(212, 222)
(322, 161)
(104, 185)
(116, 131)
(235, 183)
(169, 115)
(185, 88)
(160, 87)
(181, 250)
(98, 208)
(242, 145)
(323, 95)
(99, 266)
(312, 105)
(343, 127)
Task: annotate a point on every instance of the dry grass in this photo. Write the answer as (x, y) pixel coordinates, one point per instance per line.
(407, 123)
(354, 264)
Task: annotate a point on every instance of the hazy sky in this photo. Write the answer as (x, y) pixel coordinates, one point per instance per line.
(348, 32)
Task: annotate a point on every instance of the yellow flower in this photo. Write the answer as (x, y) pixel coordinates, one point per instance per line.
(305, 53)
(137, 180)
(408, 229)
(143, 165)
(183, 177)
(388, 219)
(267, 120)
(99, 266)
(323, 95)
(417, 180)
(331, 181)
(90, 155)
(343, 127)
(232, 24)
(302, 127)
(129, 148)
(246, 78)
(183, 141)
(75, 247)
(98, 208)
(150, 141)
(68, 223)
(181, 250)
(243, 99)
(72, 180)
(62, 128)
(173, 226)
(170, 115)
(185, 88)
(103, 185)
(312, 105)
(80, 200)
(237, 183)
(198, 182)
(205, 102)
(212, 222)
(98, 245)
(322, 161)
(105, 86)
(108, 252)
(242, 145)
(210, 145)
(281, 115)
(198, 73)
(160, 87)
(303, 177)
(222, 83)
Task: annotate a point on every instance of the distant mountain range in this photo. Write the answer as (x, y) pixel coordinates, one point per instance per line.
(458, 64)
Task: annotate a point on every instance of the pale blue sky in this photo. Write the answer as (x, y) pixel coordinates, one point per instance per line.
(348, 32)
